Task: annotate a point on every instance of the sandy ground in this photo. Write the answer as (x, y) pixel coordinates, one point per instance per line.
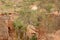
(54, 36)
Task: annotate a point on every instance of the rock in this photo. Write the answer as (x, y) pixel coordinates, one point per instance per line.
(34, 7)
(57, 35)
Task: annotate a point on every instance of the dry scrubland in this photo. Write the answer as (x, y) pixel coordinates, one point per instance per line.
(29, 19)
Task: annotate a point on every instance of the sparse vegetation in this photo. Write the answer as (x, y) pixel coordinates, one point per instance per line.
(43, 16)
